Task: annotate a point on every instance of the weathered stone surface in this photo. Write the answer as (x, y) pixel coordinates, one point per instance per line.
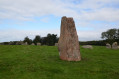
(56, 44)
(88, 46)
(108, 46)
(68, 44)
(38, 44)
(115, 45)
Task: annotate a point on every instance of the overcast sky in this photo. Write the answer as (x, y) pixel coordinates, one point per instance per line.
(20, 18)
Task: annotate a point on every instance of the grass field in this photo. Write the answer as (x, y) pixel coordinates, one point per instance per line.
(42, 62)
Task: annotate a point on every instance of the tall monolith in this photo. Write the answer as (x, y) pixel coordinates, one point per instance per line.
(68, 44)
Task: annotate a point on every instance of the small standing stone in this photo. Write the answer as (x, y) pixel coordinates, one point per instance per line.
(56, 44)
(39, 44)
(108, 46)
(68, 44)
(10, 43)
(32, 44)
(17, 43)
(115, 45)
(88, 46)
(25, 43)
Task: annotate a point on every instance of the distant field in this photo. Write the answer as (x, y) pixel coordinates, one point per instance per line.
(42, 62)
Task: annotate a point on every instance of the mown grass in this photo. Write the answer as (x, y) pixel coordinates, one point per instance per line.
(42, 62)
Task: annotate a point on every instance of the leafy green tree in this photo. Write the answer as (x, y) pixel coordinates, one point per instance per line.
(26, 39)
(117, 33)
(110, 35)
(37, 39)
(50, 39)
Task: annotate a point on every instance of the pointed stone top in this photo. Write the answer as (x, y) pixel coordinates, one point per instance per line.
(67, 17)
(64, 17)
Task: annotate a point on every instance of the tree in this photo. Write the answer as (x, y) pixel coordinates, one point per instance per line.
(110, 35)
(50, 39)
(117, 33)
(37, 39)
(26, 39)
(43, 40)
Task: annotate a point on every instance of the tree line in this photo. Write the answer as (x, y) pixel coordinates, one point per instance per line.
(49, 40)
(109, 36)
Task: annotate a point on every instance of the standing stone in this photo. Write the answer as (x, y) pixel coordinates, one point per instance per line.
(108, 46)
(68, 44)
(88, 46)
(56, 44)
(115, 45)
(39, 44)
(32, 44)
(25, 43)
(19, 42)
(10, 43)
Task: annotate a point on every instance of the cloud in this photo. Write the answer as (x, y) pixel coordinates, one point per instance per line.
(84, 12)
(27, 10)
(24, 9)
(89, 35)
(17, 35)
(104, 14)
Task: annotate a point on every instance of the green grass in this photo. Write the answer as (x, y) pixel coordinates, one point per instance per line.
(42, 62)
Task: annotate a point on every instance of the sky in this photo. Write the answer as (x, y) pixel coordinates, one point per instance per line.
(21, 18)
